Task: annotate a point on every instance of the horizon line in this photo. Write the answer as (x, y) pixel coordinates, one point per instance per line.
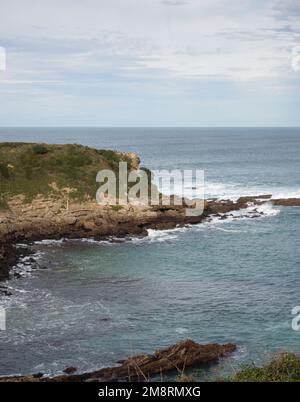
(146, 127)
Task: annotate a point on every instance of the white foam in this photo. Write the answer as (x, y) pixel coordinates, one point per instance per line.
(275, 192)
(268, 209)
(181, 330)
(93, 241)
(230, 230)
(50, 242)
(156, 235)
(24, 267)
(109, 241)
(232, 190)
(160, 235)
(252, 211)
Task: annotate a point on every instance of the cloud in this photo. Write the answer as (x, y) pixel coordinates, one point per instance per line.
(30, 82)
(286, 9)
(207, 38)
(174, 2)
(125, 49)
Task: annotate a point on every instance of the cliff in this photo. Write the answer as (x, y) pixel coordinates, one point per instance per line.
(48, 192)
(57, 171)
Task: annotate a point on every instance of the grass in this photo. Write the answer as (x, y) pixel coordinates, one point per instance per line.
(283, 368)
(116, 208)
(42, 169)
(40, 149)
(3, 204)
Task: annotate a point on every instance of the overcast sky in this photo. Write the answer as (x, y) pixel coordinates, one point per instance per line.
(149, 63)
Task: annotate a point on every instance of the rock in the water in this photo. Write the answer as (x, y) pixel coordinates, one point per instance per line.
(4, 291)
(177, 357)
(183, 354)
(70, 370)
(287, 202)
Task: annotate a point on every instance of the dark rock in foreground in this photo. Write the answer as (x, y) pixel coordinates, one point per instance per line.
(140, 368)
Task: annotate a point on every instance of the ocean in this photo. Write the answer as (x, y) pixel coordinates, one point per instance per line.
(233, 280)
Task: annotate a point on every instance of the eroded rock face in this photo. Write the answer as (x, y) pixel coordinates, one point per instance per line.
(133, 157)
(53, 219)
(140, 368)
(48, 218)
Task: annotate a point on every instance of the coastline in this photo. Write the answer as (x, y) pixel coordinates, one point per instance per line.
(47, 219)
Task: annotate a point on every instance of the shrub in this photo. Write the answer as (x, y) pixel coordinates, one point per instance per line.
(4, 172)
(284, 368)
(40, 149)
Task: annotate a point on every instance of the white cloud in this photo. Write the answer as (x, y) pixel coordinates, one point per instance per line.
(120, 51)
(233, 39)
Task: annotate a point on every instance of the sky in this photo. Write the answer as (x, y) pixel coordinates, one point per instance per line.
(150, 63)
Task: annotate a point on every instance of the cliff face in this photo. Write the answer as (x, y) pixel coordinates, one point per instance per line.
(49, 218)
(49, 191)
(52, 219)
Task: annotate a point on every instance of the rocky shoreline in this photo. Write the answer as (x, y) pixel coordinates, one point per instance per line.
(47, 191)
(49, 219)
(175, 358)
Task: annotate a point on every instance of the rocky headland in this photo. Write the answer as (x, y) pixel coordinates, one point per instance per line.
(48, 192)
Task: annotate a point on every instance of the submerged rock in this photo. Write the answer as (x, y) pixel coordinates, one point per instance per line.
(70, 370)
(4, 291)
(287, 202)
(254, 198)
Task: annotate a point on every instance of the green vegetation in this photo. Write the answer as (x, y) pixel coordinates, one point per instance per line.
(32, 169)
(112, 157)
(284, 368)
(116, 208)
(40, 149)
(3, 204)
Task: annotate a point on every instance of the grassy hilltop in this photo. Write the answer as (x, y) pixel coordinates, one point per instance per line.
(32, 169)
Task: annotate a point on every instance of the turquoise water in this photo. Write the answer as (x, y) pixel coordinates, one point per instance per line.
(222, 281)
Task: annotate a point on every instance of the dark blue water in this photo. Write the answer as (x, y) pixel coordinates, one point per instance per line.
(221, 281)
